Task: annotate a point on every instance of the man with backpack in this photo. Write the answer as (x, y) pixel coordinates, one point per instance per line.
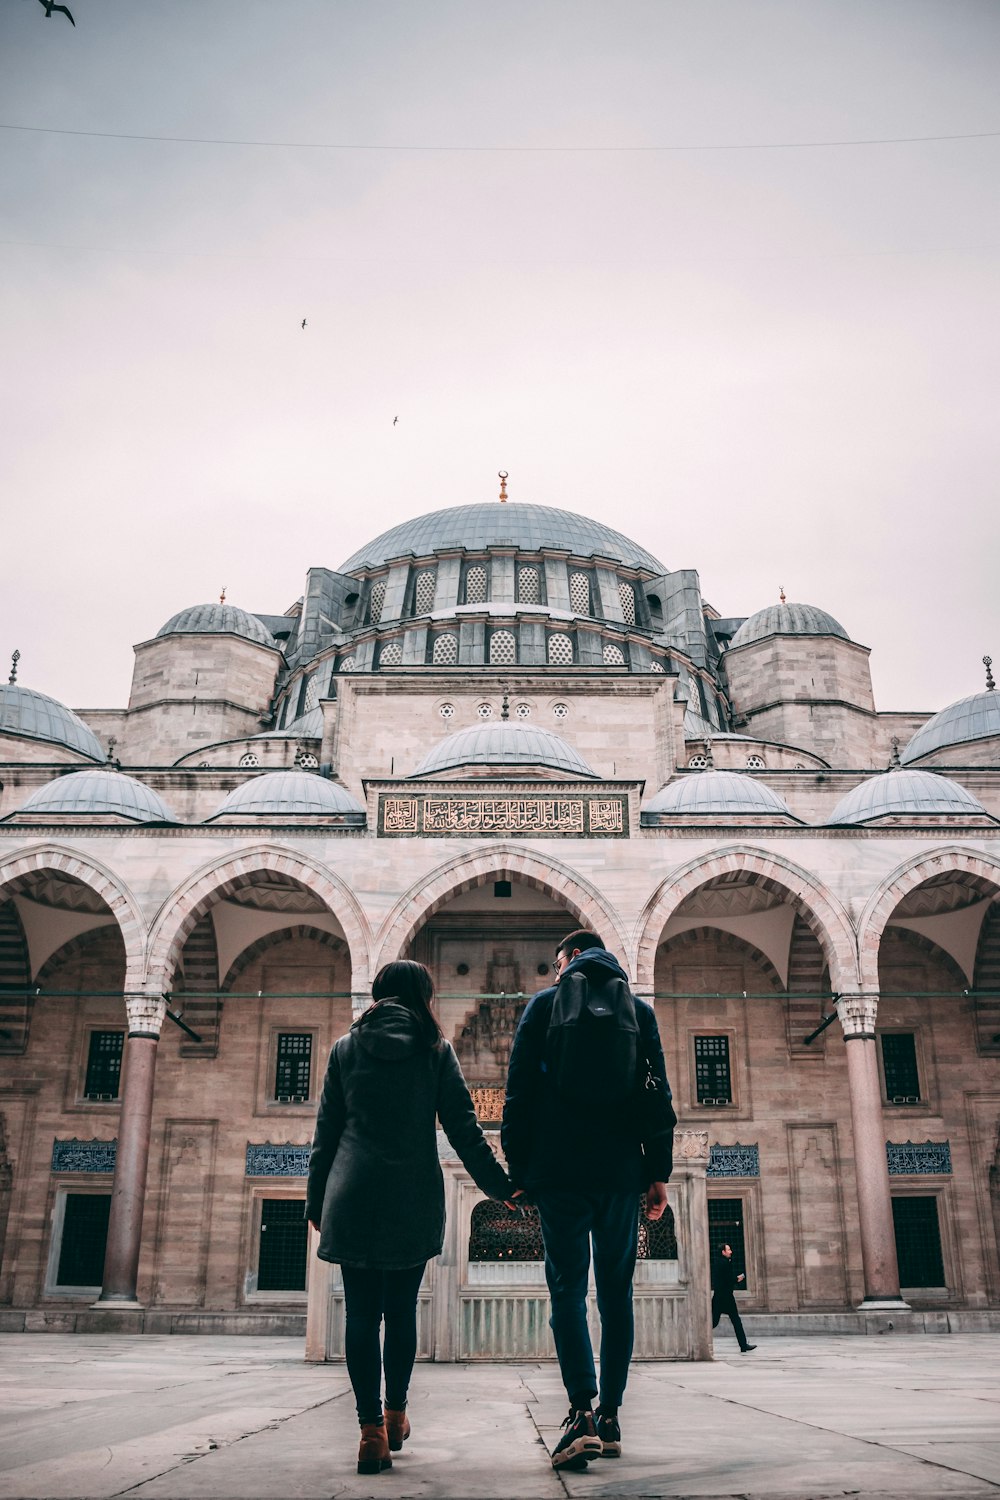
(588, 1128)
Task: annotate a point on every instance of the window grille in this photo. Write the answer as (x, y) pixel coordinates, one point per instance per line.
(447, 710)
(281, 1264)
(306, 761)
(312, 693)
(899, 1067)
(726, 1224)
(529, 586)
(498, 1234)
(579, 593)
(485, 710)
(713, 1080)
(445, 650)
(376, 599)
(84, 1239)
(756, 763)
(697, 762)
(560, 711)
(656, 666)
(918, 1241)
(104, 1066)
(475, 584)
(248, 761)
(294, 1067)
(523, 711)
(503, 648)
(626, 594)
(560, 649)
(391, 654)
(614, 656)
(348, 663)
(424, 591)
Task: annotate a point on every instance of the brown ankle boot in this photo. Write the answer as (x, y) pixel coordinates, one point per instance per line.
(373, 1455)
(397, 1426)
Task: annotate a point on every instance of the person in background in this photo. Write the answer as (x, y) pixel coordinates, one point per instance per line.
(375, 1190)
(724, 1283)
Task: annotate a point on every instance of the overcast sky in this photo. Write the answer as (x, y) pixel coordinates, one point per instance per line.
(777, 365)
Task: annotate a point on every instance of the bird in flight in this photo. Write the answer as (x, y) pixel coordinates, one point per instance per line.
(50, 6)
(394, 421)
(303, 322)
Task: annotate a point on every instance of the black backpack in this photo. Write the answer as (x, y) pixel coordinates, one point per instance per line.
(592, 1045)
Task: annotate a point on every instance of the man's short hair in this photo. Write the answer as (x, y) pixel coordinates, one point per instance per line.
(582, 939)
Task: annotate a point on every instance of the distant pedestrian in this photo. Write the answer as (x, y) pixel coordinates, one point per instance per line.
(375, 1190)
(725, 1280)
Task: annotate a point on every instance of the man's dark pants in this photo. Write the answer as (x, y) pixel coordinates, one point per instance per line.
(726, 1306)
(569, 1219)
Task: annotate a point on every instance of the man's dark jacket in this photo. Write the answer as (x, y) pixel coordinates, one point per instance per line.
(549, 1142)
(724, 1281)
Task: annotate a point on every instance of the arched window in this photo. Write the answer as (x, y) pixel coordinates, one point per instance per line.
(579, 593)
(375, 601)
(391, 654)
(312, 693)
(614, 656)
(475, 584)
(656, 666)
(445, 650)
(560, 649)
(306, 761)
(503, 648)
(348, 663)
(626, 594)
(529, 585)
(248, 761)
(756, 763)
(424, 591)
(697, 762)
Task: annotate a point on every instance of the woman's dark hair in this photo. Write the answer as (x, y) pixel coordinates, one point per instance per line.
(410, 984)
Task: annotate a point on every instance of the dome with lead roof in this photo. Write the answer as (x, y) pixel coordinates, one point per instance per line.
(504, 744)
(963, 723)
(717, 794)
(38, 717)
(528, 528)
(787, 619)
(909, 795)
(290, 794)
(98, 793)
(218, 619)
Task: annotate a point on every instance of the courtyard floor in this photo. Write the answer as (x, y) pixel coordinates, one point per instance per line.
(171, 1418)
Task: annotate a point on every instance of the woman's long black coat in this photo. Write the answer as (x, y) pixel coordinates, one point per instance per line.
(375, 1185)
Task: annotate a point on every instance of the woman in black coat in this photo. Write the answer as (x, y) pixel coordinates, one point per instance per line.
(375, 1190)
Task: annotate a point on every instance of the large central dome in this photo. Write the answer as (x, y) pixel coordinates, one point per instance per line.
(529, 528)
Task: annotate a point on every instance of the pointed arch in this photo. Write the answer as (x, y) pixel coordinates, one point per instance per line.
(116, 896)
(818, 907)
(499, 862)
(182, 909)
(275, 939)
(982, 872)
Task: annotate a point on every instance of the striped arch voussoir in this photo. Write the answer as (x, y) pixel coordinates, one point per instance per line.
(981, 871)
(272, 940)
(726, 940)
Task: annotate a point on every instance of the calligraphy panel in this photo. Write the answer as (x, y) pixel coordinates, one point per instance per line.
(493, 815)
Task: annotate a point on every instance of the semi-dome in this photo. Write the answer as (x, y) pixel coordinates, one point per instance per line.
(717, 794)
(309, 726)
(218, 619)
(906, 794)
(529, 528)
(289, 794)
(961, 723)
(504, 744)
(787, 619)
(99, 793)
(39, 717)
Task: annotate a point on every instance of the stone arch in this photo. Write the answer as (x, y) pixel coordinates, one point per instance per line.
(821, 910)
(182, 909)
(498, 862)
(71, 950)
(272, 940)
(981, 870)
(119, 899)
(907, 942)
(692, 936)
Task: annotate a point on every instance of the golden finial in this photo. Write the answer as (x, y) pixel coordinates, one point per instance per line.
(781, 592)
(222, 596)
(502, 476)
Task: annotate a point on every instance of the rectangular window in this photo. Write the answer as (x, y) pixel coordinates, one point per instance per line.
(713, 1079)
(294, 1067)
(899, 1067)
(281, 1265)
(84, 1239)
(725, 1227)
(104, 1065)
(918, 1241)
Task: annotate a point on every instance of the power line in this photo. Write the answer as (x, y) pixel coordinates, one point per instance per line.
(194, 140)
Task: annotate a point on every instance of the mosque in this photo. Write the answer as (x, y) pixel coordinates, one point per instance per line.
(492, 724)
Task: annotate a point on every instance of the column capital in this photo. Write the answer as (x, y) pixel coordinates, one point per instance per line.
(146, 1014)
(857, 1015)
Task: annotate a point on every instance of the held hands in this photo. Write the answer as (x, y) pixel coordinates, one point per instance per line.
(656, 1201)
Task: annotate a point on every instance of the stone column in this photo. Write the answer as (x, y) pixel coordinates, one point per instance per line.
(878, 1241)
(121, 1261)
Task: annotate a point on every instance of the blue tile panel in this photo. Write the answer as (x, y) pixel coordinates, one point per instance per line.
(734, 1161)
(277, 1161)
(84, 1156)
(929, 1158)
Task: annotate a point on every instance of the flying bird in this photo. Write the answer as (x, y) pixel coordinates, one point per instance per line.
(303, 320)
(394, 421)
(50, 6)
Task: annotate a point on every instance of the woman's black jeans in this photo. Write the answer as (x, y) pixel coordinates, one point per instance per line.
(370, 1296)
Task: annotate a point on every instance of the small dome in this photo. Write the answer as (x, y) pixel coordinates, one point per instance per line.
(787, 619)
(503, 744)
(715, 794)
(99, 793)
(218, 619)
(906, 794)
(289, 794)
(530, 528)
(38, 717)
(961, 723)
